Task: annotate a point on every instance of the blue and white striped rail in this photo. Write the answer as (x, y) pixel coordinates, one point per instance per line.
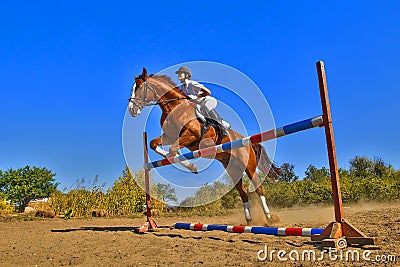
(250, 229)
(247, 141)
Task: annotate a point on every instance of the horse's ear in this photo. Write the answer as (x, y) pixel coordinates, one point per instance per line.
(144, 73)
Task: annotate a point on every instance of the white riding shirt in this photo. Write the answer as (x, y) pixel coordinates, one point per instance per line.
(191, 87)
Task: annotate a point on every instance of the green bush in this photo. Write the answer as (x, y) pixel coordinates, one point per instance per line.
(365, 180)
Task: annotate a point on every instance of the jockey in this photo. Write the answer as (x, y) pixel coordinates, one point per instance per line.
(201, 95)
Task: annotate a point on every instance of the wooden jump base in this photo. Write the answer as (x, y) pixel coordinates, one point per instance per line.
(338, 234)
(250, 229)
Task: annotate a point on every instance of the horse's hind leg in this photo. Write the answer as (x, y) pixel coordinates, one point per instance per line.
(252, 173)
(245, 199)
(156, 144)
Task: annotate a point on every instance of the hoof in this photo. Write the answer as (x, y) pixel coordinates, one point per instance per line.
(268, 215)
(192, 167)
(249, 221)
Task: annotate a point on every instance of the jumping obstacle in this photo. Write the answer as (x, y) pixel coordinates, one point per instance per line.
(250, 229)
(244, 142)
(338, 234)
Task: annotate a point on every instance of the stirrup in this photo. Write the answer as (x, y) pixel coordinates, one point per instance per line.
(224, 131)
(215, 117)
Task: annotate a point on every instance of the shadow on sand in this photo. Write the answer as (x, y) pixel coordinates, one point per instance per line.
(102, 229)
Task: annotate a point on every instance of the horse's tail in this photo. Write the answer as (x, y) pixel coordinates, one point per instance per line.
(264, 164)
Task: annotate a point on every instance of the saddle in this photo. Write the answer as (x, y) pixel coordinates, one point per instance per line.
(204, 117)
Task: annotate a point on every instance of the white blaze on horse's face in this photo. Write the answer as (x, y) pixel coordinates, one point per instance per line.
(133, 109)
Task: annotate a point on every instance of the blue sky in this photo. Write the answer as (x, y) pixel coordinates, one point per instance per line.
(66, 69)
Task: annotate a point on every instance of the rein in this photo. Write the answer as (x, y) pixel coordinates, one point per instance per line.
(151, 103)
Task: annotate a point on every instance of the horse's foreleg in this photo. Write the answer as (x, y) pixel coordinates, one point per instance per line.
(236, 173)
(184, 140)
(155, 145)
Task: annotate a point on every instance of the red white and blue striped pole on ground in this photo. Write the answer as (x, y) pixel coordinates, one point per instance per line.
(250, 229)
(247, 141)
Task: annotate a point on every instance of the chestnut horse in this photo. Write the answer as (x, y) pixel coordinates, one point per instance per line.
(181, 128)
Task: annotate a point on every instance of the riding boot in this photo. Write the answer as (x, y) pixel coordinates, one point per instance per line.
(215, 116)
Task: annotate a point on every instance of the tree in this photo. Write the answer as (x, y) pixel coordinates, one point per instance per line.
(314, 174)
(381, 169)
(25, 184)
(366, 167)
(343, 173)
(361, 166)
(165, 192)
(288, 175)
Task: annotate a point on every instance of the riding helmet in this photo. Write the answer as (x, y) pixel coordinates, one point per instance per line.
(184, 69)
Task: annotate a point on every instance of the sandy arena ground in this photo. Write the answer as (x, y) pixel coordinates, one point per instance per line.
(112, 242)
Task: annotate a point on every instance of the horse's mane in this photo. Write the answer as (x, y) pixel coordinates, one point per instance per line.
(168, 81)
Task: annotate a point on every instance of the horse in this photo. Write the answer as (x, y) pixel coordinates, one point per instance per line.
(182, 128)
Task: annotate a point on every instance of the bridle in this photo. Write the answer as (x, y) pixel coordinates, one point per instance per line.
(144, 101)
